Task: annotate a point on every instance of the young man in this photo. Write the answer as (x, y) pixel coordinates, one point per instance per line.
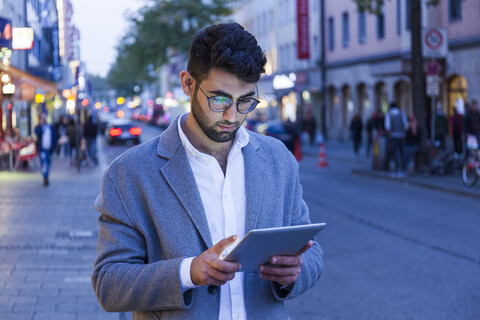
(171, 206)
(46, 144)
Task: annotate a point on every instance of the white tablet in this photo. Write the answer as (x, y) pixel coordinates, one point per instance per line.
(259, 245)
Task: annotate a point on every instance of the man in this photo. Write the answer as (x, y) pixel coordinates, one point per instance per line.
(171, 206)
(46, 144)
(396, 124)
(90, 130)
(472, 122)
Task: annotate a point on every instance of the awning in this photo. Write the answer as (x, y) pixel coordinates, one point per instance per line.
(25, 77)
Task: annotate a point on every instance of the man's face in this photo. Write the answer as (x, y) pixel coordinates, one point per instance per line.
(220, 126)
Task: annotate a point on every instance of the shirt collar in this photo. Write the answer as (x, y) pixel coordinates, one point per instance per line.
(241, 140)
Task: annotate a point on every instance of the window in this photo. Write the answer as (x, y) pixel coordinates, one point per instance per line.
(345, 29)
(381, 24)
(408, 14)
(331, 34)
(362, 27)
(399, 16)
(455, 10)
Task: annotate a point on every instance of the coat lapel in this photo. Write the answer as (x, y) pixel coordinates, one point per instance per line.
(254, 182)
(179, 176)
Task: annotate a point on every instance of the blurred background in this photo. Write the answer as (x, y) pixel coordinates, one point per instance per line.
(106, 74)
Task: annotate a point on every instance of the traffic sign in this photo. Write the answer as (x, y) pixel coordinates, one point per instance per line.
(432, 68)
(435, 42)
(433, 86)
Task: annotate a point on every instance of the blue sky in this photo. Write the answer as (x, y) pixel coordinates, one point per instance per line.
(102, 24)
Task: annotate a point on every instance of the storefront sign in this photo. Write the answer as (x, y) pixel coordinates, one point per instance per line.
(5, 33)
(303, 37)
(22, 38)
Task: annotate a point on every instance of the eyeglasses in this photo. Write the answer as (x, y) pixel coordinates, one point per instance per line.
(222, 103)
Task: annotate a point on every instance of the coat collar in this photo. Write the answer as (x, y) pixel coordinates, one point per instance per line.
(178, 174)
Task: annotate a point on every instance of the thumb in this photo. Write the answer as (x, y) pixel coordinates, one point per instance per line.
(223, 244)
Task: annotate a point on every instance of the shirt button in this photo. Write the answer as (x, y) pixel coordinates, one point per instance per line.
(212, 289)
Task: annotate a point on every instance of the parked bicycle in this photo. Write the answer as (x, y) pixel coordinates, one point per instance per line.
(441, 161)
(471, 168)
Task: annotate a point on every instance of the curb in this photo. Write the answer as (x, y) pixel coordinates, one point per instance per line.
(417, 183)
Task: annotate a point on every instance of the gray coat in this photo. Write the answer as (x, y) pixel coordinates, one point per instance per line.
(152, 217)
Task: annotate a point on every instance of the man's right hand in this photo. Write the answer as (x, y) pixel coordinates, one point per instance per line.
(208, 269)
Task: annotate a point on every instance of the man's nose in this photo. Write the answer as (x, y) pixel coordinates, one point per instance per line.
(231, 113)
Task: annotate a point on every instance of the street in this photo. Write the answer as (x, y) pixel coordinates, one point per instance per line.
(391, 250)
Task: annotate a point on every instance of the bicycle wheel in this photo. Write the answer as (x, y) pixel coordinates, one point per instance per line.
(469, 172)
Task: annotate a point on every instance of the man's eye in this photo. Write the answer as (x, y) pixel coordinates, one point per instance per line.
(221, 100)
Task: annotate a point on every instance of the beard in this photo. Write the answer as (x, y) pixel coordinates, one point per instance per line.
(210, 130)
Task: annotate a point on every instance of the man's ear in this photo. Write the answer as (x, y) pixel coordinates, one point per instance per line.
(186, 81)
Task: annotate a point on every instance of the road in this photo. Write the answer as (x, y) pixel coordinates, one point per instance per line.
(391, 251)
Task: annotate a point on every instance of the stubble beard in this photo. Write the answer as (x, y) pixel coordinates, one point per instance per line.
(210, 131)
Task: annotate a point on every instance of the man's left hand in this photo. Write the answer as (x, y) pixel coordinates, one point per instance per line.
(284, 269)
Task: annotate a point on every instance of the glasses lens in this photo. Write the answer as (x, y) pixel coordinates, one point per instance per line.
(246, 105)
(220, 103)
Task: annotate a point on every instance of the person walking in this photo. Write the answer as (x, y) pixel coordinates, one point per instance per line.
(170, 207)
(395, 125)
(472, 122)
(90, 130)
(46, 144)
(356, 128)
(456, 125)
(413, 138)
(441, 128)
(371, 129)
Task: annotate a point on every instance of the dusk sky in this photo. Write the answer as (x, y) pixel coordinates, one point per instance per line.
(102, 23)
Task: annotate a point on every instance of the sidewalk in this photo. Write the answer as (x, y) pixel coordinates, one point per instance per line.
(48, 242)
(362, 165)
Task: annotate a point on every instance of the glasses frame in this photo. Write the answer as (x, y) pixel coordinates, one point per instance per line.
(231, 100)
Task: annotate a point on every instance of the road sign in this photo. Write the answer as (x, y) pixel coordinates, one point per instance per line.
(432, 68)
(435, 42)
(433, 86)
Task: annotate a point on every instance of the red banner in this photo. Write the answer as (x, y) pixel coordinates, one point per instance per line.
(303, 36)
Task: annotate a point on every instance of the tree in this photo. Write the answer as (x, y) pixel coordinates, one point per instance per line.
(160, 28)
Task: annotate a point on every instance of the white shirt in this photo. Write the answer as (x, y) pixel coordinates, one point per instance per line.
(224, 201)
(46, 137)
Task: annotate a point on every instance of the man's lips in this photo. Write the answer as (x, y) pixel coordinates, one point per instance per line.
(227, 127)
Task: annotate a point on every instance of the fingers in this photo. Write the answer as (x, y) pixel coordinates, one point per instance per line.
(223, 244)
(305, 248)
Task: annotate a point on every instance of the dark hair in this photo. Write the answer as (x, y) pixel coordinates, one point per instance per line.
(393, 105)
(229, 47)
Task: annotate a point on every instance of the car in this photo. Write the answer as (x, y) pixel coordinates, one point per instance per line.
(282, 130)
(122, 130)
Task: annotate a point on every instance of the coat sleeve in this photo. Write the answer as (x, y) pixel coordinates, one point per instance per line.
(122, 278)
(312, 259)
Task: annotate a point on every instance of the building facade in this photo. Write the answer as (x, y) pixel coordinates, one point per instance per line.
(368, 58)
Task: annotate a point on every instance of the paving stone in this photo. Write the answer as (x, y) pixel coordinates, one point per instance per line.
(56, 315)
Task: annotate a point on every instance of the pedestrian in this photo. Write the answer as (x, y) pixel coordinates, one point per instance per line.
(356, 128)
(46, 144)
(169, 207)
(441, 128)
(413, 138)
(72, 140)
(63, 147)
(456, 125)
(472, 123)
(395, 125)
(90, 130)
(371, 129)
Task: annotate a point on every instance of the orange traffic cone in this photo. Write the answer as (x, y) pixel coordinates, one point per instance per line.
(322, 156)
(297, 150)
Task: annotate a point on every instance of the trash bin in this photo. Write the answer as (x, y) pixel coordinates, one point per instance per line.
(380, 153)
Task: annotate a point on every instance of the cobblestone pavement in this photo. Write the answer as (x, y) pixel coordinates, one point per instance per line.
(48, 245)
(48, 235)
